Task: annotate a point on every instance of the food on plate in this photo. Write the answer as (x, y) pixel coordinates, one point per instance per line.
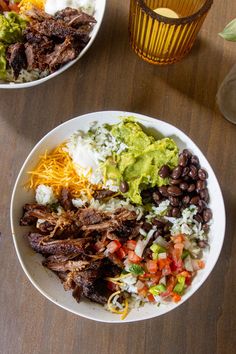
(111, 242)
(34, 43)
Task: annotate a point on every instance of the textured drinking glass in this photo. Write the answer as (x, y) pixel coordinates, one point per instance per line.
(165, 39)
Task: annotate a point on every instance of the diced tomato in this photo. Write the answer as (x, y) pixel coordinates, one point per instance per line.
(188, 281)
(151, 298)
(121, 253)
(178, 238)
(185, 274)
(99, 246)
(113, 246)
(201, 264)
(139, 285)
(163, 262)
(13, 7)
(131, 244)
(176, 251)
(3, 5)
(132, 256)
(177, 266)
(143, 291)
(175, 297)
(166, 270)
(171, 282)
(152, 266)
(111, 286)
(156, 278)
(165, 294)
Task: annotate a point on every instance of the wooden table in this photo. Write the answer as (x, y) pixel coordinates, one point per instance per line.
(111, 77)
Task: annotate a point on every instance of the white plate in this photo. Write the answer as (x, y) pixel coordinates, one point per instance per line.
(46, 281)
(99, 12)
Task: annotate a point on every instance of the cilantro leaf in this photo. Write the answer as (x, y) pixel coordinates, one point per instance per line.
(136, 269)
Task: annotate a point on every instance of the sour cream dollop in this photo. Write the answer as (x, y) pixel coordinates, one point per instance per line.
(52, 6)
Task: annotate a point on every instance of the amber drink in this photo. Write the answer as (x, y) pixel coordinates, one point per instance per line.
(163, 31)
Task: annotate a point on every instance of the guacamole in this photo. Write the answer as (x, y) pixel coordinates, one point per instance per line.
(139, 163)
(3, 61)
(11, 26)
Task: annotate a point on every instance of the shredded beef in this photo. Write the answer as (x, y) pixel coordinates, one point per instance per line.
(16, 58)
(62, 54)
(66, 199)
(103, 194)
(30, 213)
(40, 244)
(73, 244)
(49, 42)
(74, 18)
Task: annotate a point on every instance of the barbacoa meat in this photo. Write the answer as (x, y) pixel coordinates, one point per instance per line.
(74, 18)
(103, 194)
(42, 245)
(49, 42)
(68, 241)
(16, 58)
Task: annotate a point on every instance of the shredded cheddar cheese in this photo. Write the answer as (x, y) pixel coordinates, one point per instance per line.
(56, 169)
(25, 5)
(113, 308)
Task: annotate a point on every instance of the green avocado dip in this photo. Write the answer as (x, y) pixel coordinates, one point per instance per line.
(139, 163)
(11, 27)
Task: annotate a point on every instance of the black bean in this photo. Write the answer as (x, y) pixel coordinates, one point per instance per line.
(195, 160)
(200, 184)
(176, 212)
(183, 160)
(146, 226)
(158, 232)
(204, 195)
(157, 197)
(193, 172)
(158, 223)
(201, 206)
(202, 244)
(185, 171)
(186, 200)
(198, 218)
(175, 181)
(205, 227)
(164, 171)
(169, 212)
(207, 215)
(187, 153)
(183, 186)
(147, 195)
(176, 173)
(202, 174)
(166, 228)
(174, 201)
(186, 178)
(174, 191)
(195, 200)
(124, 187)
(163, 191)
(191, 188)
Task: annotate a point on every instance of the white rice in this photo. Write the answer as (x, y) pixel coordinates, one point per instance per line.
(52, 6)
(44, 195)
(90, 150)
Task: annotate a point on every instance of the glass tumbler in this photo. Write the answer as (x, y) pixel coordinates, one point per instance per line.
(163, 31)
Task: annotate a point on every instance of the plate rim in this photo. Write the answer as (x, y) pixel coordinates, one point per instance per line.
(118, 114)
(22, 85)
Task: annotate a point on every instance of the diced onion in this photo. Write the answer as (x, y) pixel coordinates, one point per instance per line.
(161, 242)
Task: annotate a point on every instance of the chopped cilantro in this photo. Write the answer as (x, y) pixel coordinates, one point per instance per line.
(136, 269)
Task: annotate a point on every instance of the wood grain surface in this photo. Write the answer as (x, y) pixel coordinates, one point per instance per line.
(111, 77)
